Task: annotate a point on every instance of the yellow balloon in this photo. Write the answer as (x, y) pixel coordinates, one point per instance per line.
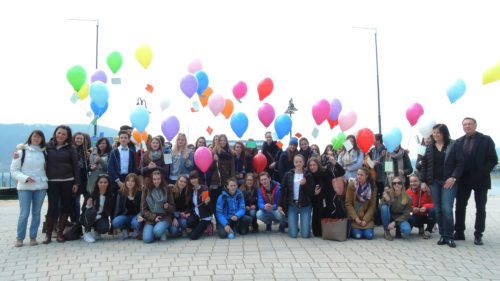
(144, 55)
(84, 91)
(492, 74)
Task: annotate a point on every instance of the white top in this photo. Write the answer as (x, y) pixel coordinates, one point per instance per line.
(296, 185)
(33, 166)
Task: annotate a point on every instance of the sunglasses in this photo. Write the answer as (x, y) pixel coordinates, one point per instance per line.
(397, 182)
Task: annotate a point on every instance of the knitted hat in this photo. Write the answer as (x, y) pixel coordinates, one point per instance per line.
(293, 141)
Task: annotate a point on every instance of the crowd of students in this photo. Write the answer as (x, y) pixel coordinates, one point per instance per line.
(158, 193)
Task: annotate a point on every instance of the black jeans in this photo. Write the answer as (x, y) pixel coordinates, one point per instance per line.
(198, 226)
(421, 220)
(463, 195)
(59, 194)
(241, 226)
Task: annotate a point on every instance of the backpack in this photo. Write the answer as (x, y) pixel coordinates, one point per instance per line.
(23, 155)
(72, 231)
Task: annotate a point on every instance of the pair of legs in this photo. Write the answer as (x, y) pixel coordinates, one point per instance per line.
(294, 210)
(480, 197)
(182, 225)
(197, 225)
(443, 205)
(241, 226)
(269, 217)
(125, 222)
(253, 214)
(359, 233)
(387, 218)
(155, 231)
(29, 200)
(428, 220)
(60, 198)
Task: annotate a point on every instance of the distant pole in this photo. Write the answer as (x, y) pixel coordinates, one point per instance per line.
(374, 29)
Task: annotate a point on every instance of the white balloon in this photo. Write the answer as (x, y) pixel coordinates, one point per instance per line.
(425, 126)
(164, 103)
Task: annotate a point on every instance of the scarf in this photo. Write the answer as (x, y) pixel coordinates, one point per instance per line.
(399, 157)
(155, 200)
(363, 193)
(155, 155)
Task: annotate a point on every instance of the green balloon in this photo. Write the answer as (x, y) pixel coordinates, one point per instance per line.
(76, 77)
(114, 61)
(338, 141)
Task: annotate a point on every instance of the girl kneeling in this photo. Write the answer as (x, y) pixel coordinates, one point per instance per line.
(97, 210)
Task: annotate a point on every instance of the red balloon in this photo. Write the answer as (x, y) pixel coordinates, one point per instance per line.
(365, 139)
(332, 123)
(259, 162)
(265, 88)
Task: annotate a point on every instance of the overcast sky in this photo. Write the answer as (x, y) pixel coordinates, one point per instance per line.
(308, 48)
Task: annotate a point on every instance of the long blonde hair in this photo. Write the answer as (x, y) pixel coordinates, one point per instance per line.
(184, 151)
(392, 192)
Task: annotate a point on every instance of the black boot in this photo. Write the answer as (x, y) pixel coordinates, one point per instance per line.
(63, 219)
(49, 222)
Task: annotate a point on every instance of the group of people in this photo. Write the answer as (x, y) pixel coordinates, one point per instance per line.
(158, 192)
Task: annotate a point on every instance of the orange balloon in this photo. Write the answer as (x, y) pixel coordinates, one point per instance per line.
(228, 108)
(137, 136)
(205, 95)
(144, 135)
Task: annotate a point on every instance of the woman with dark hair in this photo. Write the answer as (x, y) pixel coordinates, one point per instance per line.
(200, 217)
(351, 160)
(360, 204)
(81, 144)
(286, 158)
(442, 165)
(153, 159)
(250, 193)
(305, 149)
(29, 171)
(98, 209)
(98, 161)
(327, 153)
(63, 173)
(239, 162)
(182, 193)
(222, 168)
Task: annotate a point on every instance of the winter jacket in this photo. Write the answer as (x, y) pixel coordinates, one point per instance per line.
(275, 195)
(306, 191)
(365, 211)
(33, 166)
(121, 203)
(222, 169)
(453, 162)
(420, 199)
(399, 212)
(149, 217)
(228, 206)
(204, 209)
(62, 163)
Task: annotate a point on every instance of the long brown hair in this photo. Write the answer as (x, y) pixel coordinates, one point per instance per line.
(150, 185)
(124, 189)
(147, 155)
(244, 188)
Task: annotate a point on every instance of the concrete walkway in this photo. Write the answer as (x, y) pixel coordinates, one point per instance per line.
(253, 257)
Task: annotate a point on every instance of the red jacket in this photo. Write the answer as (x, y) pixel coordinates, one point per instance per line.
(424, 201)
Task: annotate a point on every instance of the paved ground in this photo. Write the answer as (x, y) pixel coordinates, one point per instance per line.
(253, 257)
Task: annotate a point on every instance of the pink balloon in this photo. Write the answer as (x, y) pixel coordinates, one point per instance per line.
(240, 90)
(266, 114)
(216, 103)
(320, 111)
(413, 113)
(195, 66)
(203, 158)
(347, 121)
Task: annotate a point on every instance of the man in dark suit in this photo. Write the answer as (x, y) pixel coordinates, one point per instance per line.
(480, 158)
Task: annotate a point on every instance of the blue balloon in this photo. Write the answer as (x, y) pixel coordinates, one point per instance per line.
(282, 125)
(99, 93)
(456, 91)
(239, 123)
(202, 78)
(98, 111)
(139, 117)
(393, 139)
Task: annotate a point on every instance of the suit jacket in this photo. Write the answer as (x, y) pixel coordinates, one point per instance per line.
(484, 158)
(114, 164)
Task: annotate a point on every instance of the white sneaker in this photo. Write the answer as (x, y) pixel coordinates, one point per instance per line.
(125, 234)
(87, 236)
(163, 237)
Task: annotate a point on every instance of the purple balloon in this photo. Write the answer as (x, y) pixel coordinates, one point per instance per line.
(189, 85)
(170, 127)
(335, 109)
(99, 75)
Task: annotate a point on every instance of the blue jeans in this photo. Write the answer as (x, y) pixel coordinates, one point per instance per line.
(34, 200)
(359, 233)
(385, 213)
(293, 220)
(443, 206)
(152, 231)
(125, 222)
(270, 217)
(182, 225)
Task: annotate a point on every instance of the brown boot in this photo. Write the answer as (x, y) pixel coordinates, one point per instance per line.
(63, 219)
(49, 223)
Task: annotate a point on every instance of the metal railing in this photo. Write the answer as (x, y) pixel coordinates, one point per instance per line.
(7, 181)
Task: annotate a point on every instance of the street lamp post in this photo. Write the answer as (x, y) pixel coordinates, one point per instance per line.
(374, 29)
(291, 110)
(96, 52)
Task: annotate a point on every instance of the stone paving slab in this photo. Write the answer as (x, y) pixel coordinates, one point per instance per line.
(260, 256)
